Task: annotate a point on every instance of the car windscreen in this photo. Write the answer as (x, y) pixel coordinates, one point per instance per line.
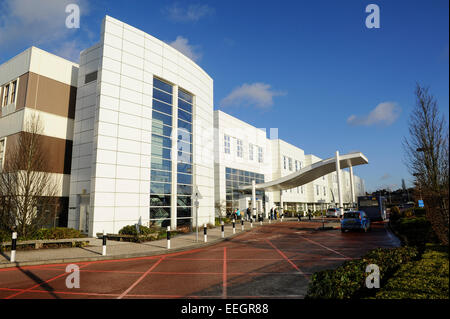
(351, 215)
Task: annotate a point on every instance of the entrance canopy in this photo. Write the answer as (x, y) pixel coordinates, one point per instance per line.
(311, 173)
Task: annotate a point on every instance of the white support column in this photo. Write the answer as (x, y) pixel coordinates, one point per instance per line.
(352, 186)
(338, 173)
(254, 212)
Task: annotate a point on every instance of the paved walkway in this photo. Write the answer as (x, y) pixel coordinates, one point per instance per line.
(117, 250)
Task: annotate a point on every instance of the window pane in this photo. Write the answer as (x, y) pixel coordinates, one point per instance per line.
(184, 179)
(184, 135)
(184, 147)
(185, 116)
(90, 77)
(184, 201)
(184, 105)
(184, 157)
(162, 96)
(162, 85)
(160, 176)
(159, 213)
(159, 200)
(162, 164)
(161, 152)
(184, 189)
(184, 168)
(185, 96)
(185, 125)
(159, 188)
(160, 129)
(160, 118)
(161, 141)
(183, 212)
(163, 107)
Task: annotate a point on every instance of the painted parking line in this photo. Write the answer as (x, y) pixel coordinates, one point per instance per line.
(140, 278)
(40, 284)
(319, 244)
(284, 256)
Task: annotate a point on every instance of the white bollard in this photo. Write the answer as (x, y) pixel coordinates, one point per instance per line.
(234, 226)
(242, 224)
(104, 244)
(251, 222)
(13, 247)
(168, 237)
(204, 233)
(223, 229)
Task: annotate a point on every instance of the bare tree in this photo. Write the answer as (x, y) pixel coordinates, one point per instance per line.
(27, 191)
(221, 208)
(426, 156)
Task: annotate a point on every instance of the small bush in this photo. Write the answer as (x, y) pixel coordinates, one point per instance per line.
(348, 280)
(416, 231)
(131, 230)
(5, 236)
(395, 214)
(55, 233)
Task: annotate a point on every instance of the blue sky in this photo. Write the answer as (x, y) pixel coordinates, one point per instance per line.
(309, 68)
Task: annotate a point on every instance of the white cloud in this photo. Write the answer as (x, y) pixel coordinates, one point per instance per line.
(384, 113)
(385, 176)
(70, 50)
(36, 22)
(191, 13)
(257, 94)
(189, 50)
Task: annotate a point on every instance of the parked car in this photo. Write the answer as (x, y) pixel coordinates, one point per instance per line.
(355, 220)
(333, 212)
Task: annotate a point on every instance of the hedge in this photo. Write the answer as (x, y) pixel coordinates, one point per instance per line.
(415, 231)
(427, 278)
(349, 279)
(45, 233)
(131, 230)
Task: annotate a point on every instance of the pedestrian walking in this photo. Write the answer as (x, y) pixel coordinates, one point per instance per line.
(249, 214)
(309, 214)
(238, 213)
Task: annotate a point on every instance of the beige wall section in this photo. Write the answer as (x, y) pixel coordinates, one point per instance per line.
(54, 125)
(50, 96)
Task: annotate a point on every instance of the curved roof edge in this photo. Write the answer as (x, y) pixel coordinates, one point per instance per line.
(114, 20)
(311, 172)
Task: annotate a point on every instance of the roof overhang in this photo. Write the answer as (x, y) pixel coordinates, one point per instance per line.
(311, 173)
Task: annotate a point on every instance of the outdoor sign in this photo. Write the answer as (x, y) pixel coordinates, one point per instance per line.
(420, 202)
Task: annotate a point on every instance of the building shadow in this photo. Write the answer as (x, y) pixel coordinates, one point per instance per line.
(38, 280)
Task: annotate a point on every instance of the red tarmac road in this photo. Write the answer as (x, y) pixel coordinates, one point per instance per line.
(273, 261)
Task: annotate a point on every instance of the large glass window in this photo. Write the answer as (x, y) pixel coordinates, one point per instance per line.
(161, 165)
(235, 178)
(250, 152)
(290, 164)
(184, 158)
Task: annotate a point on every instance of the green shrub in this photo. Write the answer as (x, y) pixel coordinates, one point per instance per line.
(427, 278)
(55, 233)
(131, 230)
(394, 214)
(419, 211)
(416, 231)
(226, 220)
(5, 236)
(348, 280)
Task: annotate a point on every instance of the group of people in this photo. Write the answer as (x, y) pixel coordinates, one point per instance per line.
(237, 214)
(274, 214)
